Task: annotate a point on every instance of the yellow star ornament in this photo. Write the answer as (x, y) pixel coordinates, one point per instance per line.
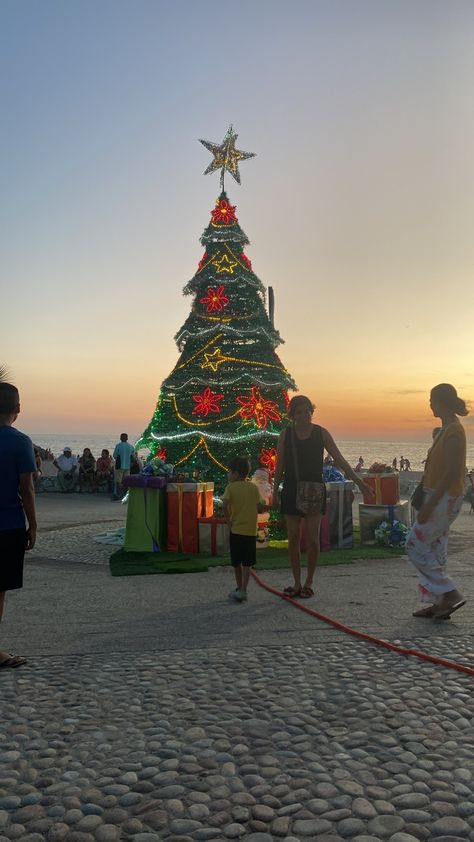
(214, 360)
(224, 264)
(226, 156)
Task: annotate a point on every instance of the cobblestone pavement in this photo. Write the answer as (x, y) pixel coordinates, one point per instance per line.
(76, 543)
(309, 737)
(307, 743)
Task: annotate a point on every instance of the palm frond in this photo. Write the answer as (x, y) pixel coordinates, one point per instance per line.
(3, 373)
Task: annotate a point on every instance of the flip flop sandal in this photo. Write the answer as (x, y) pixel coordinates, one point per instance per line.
(292, 592)
(446, 614)
(12, 661)
(306, 592)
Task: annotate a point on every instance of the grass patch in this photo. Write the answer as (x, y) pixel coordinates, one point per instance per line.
(275, 557)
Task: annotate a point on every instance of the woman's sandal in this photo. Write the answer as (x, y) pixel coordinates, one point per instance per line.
(445, 613)
(429, 611)
(306, 592)
(292, 592)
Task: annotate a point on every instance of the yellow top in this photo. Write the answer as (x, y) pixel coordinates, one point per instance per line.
(435, 463)
(243, 498)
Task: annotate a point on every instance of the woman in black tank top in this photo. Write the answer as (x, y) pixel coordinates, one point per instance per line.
(305, 442)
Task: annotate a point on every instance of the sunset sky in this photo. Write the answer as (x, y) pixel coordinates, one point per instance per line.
(359, 205)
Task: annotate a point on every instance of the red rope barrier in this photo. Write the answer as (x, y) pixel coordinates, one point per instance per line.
(401, 650)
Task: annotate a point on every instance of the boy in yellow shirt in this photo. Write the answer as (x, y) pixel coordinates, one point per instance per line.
(242, 502)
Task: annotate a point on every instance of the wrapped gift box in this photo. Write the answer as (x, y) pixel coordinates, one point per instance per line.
(213, 535)
(207, 507)
(372, 516)
(339, 499)
(145, 529)
(386, 488)
(184, 507)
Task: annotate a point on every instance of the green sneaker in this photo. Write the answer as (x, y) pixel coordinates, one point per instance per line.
(243, 596)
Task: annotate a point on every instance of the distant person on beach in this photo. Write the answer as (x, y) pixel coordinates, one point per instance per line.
(395, 464)
(39, 466)
(242, 502)
(66, 464)
(434, 433)
(122, 455)
(402, 463)
(470, 491)
(87, 469)
(443, 495)
(105, 471)
(407, 465)
(359, 465)
(17, 500)
(300, 458)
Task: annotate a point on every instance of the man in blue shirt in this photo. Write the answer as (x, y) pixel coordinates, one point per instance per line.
(122, 455)
(17, 499)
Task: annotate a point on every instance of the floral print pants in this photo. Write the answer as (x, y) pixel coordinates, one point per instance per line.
(427, 548)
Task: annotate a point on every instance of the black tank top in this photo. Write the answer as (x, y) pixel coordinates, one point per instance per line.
(309, 453)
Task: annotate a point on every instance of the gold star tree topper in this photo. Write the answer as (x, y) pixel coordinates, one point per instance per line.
(226, 156)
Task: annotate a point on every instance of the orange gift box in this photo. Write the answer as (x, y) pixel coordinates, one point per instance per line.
(386, 488)
(207, 507)
(184, 505)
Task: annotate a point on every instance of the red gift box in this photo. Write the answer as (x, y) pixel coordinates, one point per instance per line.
(214, 535)
(386, 487)
(184, 506)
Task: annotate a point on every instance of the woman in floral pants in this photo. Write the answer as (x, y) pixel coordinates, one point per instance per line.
(443, 494)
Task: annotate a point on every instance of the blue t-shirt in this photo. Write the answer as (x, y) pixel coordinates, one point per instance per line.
(124, 450)
(16, 457)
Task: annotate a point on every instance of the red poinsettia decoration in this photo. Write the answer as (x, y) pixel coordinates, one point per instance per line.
(223, 213)
(268, 458)
(207, 402)
(202, 261)
(256, 407)
(162, 454)
(215, 299)
(246, 261)
(286, 398)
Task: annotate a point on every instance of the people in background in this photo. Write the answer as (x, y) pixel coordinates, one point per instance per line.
(122, 454)
(359, 465)
(39, 466)
(104, 473)
(66, 464)
(87, 468)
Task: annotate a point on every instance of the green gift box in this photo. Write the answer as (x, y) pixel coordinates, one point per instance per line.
(146, 520)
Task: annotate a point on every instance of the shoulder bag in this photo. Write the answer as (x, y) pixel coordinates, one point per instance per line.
(310, 496)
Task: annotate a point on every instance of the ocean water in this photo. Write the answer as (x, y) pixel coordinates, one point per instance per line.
(371, 451)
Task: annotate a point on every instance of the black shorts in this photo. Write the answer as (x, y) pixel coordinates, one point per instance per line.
(243, 550)
(12, 553)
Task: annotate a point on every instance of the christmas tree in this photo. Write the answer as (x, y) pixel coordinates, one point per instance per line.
(228, 393)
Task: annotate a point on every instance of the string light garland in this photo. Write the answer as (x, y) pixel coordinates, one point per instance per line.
(195, 423)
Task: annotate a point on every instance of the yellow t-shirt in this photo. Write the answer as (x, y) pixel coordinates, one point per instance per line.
(243, 498)
(435, 463)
